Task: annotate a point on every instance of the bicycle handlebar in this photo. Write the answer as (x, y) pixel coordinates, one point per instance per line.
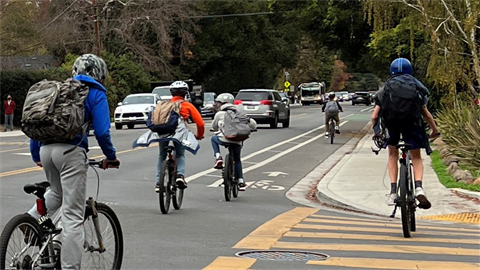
(99, 163)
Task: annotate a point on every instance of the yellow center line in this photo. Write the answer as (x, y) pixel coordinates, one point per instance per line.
(374, 237)
(393, 223)
(379, 248)
(267, 234)
(16, 149)
(33, 169)
(395, 264)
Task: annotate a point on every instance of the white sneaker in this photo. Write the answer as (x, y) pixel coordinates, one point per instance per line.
(391, 199)
(422, 198)
(326, 134)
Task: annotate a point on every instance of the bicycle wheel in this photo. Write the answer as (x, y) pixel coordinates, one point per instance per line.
(112, 238)
(404, 202)
(20, 243)
(413, 226)
(164, 192)
(332, 131)
(227, 178)
(177, 193)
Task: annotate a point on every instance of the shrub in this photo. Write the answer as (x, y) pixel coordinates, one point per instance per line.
(460, 128)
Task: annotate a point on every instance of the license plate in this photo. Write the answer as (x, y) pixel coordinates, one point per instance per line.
(251, 107)
(132, 118)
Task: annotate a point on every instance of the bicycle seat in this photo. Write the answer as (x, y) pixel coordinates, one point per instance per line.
(37, 188)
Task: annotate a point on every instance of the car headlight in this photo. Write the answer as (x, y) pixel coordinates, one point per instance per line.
(118, 110)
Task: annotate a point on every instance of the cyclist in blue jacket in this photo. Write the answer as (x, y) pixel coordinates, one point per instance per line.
(67, 172)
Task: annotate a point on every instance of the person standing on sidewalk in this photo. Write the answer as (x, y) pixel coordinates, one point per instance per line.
(411, 129)
(9, 107)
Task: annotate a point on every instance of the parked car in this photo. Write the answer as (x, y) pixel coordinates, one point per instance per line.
(285, 98)
(345, 96)
(361, 98)
(338, 96)
(134, 110)
(265, 106)
(208, 109)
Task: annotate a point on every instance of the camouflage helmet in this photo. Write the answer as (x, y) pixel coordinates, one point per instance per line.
(90, 65)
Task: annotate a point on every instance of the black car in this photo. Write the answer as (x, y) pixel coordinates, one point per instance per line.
(361, 98)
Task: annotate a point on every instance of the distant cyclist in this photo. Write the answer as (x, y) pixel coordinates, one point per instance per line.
(224, 101)
(331, 108)
(407, 123)
(179, 90)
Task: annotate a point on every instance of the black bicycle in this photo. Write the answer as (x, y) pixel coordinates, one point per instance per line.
(168, 187)
(28, 243)
(230, 182)
(331, 129)
(405, 192)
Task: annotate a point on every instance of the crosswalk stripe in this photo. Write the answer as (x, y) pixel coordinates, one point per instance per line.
(372, 237)
(379, 248)
(392, 264)
(380, 230)
(393, 223)
(267, 234)
(230, 263)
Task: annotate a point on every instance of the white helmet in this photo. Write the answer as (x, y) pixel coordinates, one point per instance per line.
(179, 88)
(225, 98)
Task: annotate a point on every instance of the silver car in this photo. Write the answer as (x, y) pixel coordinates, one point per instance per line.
(265, 106)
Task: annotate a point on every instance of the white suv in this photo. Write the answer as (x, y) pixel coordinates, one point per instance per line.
(134, 110)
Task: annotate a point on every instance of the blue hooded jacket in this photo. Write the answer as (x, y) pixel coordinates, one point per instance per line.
(96, 109)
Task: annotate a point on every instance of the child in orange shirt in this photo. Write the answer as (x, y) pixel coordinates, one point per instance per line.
(179, 90)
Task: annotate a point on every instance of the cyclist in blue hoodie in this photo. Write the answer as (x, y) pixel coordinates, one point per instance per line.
(67, 170)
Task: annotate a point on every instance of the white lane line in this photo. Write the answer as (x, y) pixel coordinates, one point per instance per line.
(367, 109)
(22, 154)
(202, 173)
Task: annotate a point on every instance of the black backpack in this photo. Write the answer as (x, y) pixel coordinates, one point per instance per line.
(402, 101)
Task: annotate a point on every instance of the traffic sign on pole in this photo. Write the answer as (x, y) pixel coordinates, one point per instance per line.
(287, 84)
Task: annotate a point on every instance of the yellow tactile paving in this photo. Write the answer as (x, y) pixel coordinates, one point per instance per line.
(396, 264)
(460, 217)
(230, 263)
(267, 234)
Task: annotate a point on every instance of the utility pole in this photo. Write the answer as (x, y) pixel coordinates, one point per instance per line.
(95, 18)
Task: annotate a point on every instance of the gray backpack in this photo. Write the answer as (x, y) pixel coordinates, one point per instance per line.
(54, 111)
(331, 108)
(236, 125)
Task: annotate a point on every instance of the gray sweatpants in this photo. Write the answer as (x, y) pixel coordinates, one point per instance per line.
(67, 175)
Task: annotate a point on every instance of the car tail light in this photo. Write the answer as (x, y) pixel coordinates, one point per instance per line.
(266, 102)
(237, 102)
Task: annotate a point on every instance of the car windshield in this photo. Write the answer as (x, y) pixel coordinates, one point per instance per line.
(253, 96)
(208, 97)
(138, 100)
(162, 91)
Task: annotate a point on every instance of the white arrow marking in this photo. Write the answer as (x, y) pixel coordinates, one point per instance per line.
(275, 174)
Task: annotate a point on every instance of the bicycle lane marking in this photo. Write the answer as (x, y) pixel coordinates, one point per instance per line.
(262, 163)
(262, 238)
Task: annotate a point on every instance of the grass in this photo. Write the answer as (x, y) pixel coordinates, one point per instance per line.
(445, 178)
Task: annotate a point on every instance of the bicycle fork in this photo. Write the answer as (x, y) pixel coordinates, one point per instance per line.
(92, 210)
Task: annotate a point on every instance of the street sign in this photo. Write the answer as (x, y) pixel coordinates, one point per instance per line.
(287, 84)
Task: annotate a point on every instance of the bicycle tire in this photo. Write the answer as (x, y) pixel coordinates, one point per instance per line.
(164, 195)
(177, 193)
(403, 201)
(112, 238)
(227, 178)
(413, 225)
(332, 131)
(234, 180)
(12, 241)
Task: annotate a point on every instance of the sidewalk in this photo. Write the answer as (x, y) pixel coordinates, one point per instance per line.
(359, 181)
(14, 133)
